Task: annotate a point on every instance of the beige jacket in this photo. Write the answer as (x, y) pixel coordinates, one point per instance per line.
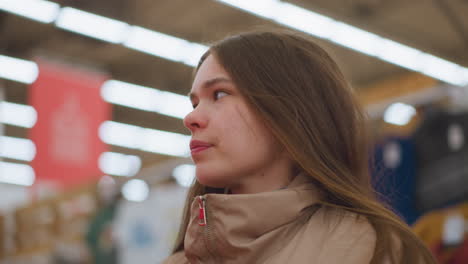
(283, 226)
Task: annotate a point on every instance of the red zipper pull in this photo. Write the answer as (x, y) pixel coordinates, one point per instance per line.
(202, 213)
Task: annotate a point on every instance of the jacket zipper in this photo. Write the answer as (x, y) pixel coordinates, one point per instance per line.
(202, 211)
(203, 221)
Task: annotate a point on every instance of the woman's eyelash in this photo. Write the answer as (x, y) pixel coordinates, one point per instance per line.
(215, 96)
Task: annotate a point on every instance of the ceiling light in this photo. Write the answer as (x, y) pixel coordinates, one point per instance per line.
(444, 70)
(399, 114)
(193, 54)
(17, 114)
(92, 25)
(135, 190)
(165, 46)
(123, 135)
(114, 133)
(17, 148)
(113, 91)
(263, 8)
(399, 54)
(145, 139)
(302, 19)
(119, 164)
(145, 98)
(18, 70)
(167, 143)
(184, 174)
(15, 173)
(351, 37)
(180, 50)
(355, 38)
(42, 11)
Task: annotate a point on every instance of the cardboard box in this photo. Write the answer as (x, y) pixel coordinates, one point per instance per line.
(36, 215)
(46, 226)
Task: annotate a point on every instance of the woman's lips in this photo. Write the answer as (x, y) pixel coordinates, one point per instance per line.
(197, 146)
(199, 149)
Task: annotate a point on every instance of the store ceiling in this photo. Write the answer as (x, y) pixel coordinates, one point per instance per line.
(439, 27)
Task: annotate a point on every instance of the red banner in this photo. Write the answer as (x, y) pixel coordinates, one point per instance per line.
(70, 110)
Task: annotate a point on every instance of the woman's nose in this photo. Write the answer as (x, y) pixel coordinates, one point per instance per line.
(195, 120)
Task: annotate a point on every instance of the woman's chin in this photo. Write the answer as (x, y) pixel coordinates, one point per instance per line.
(211, 180)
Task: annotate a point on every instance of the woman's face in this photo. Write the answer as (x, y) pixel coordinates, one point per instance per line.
(230, 146)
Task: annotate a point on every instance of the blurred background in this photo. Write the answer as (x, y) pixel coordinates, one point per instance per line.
(94, 159)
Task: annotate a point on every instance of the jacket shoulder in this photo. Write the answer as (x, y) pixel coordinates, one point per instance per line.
(342, 223)
(342, 236)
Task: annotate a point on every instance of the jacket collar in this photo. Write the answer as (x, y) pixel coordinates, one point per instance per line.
(237, 224)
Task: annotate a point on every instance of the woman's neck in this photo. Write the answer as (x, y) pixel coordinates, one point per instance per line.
(265, 181)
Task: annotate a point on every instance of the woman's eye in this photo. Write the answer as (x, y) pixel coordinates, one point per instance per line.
(219, 94)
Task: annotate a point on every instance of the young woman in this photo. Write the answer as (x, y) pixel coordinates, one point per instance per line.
(281, 155)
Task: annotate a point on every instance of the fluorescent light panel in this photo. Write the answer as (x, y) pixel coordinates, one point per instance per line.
(17, 148)
(114, 133)
(135, 190)
(15, 173)
(119, 164)
(92, 25)
(17, 114)
(145, 139)
(18, 70)
(399, 114)
(354, 38)
(165, 46)
(109, 162)
(113, 91)
(42, 11)
(184, 174)
(107, 29)
(180, 50)
(145, 98)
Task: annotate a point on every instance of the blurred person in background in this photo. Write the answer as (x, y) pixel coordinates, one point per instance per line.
(281, 151)
(100, 237)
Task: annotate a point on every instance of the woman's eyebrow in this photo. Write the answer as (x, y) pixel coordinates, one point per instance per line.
(210, 83)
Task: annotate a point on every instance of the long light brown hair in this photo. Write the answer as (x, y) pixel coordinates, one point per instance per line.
(301, 94)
